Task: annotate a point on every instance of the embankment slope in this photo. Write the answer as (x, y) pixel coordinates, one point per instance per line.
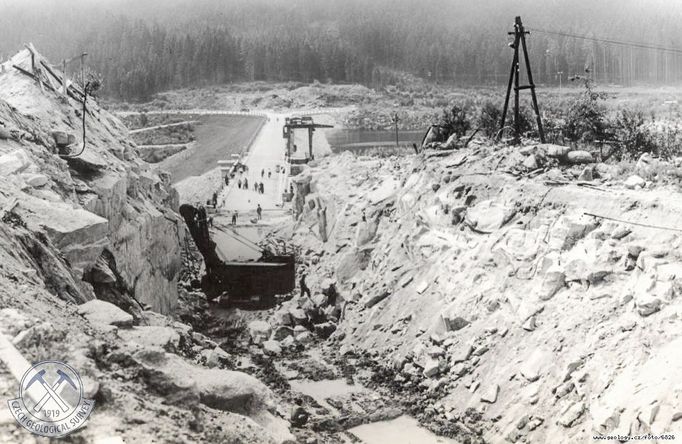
(492, 297)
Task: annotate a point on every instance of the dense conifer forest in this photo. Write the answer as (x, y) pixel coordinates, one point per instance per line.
(143, 49)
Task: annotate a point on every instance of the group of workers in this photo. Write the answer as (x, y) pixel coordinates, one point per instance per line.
(243, 184)
(258, 187)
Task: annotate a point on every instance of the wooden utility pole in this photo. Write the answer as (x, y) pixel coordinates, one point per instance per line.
(519, 34)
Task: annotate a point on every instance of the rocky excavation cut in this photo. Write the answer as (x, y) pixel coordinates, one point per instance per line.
(479, 294)
(506, 294)
(91, 249)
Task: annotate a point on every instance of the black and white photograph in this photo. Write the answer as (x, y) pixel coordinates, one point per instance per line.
(340, 221)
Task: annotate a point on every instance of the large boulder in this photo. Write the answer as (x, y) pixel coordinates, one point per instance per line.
(152, 336)
(79, 234)
(533, 367)
(63, 139)
(551, 284)
(489, 215)
(555, 151)
(259, 331)
(102, 313)
(14, 162)
(383, 191)
(35, 180)
(579, 156)
(452, 321)
(634, 182)
(298, 316)
(272, 347)
(169, 375)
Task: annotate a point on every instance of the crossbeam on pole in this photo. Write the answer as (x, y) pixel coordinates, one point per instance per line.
(519, 34)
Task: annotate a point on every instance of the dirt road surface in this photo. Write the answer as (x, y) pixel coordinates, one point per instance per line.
(217, 137)
(267, 152)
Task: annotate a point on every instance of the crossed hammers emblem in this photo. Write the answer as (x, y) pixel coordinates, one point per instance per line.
(51, 392)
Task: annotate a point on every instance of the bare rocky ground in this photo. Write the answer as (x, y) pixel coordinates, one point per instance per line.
(485, 296)
(93, 274)
(496, 294)
(91, 263)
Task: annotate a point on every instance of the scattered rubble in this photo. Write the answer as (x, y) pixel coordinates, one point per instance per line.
(527, 294)
(90, 247)
(533, 270)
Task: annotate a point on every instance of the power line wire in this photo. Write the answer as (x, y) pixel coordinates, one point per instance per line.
(610, 41)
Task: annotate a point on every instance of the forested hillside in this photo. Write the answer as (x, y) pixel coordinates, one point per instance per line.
(145, 47)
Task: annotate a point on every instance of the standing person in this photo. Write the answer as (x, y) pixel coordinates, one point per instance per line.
(239, 184)
(259, 211)
(262, 188)
(234, 218)
(262, 172)
(246, 184)
(227, 180)
(215, 200)
(304, 287)
(269, 173)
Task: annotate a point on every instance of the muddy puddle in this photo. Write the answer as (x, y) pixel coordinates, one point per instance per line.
(401, 430)
(320, 391)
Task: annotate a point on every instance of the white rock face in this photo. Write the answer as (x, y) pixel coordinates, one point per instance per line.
(79, 234)
(578, 313)
(104, 201)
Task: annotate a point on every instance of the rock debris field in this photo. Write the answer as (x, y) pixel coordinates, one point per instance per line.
(488, 294)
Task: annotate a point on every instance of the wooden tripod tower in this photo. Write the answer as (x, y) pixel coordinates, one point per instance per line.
(519, 34)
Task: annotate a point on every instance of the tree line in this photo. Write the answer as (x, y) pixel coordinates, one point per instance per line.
(143, 47)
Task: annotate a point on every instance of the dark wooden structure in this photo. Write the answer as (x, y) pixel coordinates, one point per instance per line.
(519, 34)
(292, 123)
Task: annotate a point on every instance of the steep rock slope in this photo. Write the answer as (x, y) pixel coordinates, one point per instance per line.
(500, 296)
(111, 217)
(102, 225)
